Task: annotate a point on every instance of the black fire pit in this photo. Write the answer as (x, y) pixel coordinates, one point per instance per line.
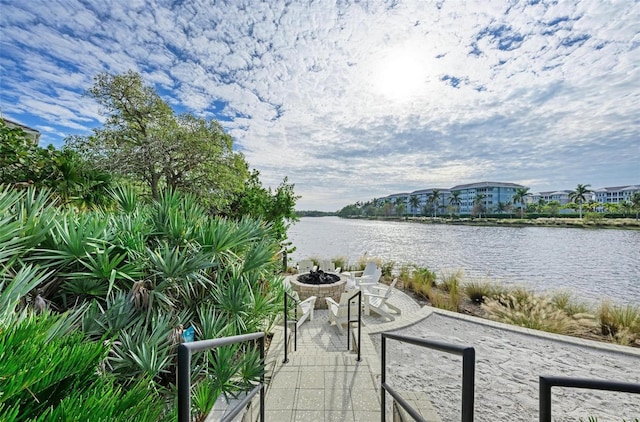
(318, 277)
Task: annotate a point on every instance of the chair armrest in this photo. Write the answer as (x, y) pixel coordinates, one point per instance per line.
(310, 299)
(330, 301)
(374, 295)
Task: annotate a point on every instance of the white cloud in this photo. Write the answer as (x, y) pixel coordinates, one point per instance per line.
(349, 100)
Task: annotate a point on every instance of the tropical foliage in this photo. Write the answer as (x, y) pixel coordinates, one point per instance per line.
(145, 140)
(128, 282)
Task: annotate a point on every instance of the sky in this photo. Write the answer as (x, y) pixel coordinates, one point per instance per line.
(354, 100)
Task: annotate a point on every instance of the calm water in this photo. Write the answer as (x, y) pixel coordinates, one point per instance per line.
(595, 264)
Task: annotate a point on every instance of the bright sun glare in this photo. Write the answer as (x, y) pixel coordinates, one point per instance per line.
(399, 75)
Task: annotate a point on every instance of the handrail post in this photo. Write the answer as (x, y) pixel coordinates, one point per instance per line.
(286, 322)
(383, 379)
(468, 383)
(287, 296)
(262, 356)
(184, 383)
(359, 294)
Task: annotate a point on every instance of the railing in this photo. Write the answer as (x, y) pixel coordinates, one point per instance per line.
(546, 382)
(286, 323)
(359, 321)
(185, 350)
(468, 374)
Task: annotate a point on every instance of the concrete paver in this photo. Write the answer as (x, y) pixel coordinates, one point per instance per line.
(323, 381)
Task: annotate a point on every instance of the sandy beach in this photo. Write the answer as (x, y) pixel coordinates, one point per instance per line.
(508, 365)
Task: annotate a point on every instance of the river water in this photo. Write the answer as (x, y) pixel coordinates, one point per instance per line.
(592, 263)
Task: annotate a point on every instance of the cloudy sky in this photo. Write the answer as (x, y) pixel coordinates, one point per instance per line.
(354, 100)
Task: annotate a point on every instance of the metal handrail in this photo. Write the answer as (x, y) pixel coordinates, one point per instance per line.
(185, 350)
(546, 382)
(468, 374)
(286, 322)
(359, 321)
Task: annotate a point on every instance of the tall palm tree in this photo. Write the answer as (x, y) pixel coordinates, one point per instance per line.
(478, 203)
(579, 196)
(414, 202)
(518, 197)
(398, 202)
(635, 202)
(433, 199)
(455, 200)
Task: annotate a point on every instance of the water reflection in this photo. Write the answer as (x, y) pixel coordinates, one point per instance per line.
(593, 263)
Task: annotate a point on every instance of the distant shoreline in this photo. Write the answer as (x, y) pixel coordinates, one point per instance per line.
(584, 223)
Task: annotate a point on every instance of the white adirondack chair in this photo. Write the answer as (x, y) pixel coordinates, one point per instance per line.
(338, 312)
(305, 266)
(376, 301)
(327, 266)
(304, 310)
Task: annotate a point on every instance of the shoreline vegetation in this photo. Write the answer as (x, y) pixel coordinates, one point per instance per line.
(560, 312)
(589, 221)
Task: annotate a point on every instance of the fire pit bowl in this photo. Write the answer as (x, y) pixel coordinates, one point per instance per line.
(319, 284)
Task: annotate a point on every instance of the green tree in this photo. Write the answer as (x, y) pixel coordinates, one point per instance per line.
(142, 138)
(455, 200)
(22, 162)
(579, 196)
(414, 203)
(635, 202)
(479, 206)
(519, 197)
(399, 203)
(276, 207)
(433, 199)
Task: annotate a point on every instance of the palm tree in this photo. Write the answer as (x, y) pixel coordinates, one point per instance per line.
(433, 198)
(414, 202)
(478, 204)
(579, 195)
(455, 200)
(398, 202)
(635, 202)
(518, 197)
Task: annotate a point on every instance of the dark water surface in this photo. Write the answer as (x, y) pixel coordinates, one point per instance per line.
(593, 263)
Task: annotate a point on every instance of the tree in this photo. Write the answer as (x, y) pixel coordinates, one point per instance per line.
(635, 202)
(276, 207)
(579, 196)
(414, 203)
(478, 204)
(433, 199)
(400, 206)
(455, 200)
(144, 139)
(518, 197)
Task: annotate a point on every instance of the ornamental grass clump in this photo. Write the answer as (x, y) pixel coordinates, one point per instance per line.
(536, 312)
(479, 291)
(621, 323)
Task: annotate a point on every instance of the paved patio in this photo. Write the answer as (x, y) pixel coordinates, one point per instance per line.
(322, 381)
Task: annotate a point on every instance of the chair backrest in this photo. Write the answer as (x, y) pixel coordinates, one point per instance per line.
(327, 265)
(305, 265)
(375, 275)
(370, 268)
(344, 303)
(390, 288)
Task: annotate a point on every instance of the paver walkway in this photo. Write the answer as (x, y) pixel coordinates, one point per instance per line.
(322, 381)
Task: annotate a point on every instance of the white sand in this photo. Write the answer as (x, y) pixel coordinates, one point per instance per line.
(508, 365)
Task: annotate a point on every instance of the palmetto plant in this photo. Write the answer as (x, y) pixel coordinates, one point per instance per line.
(138, 275)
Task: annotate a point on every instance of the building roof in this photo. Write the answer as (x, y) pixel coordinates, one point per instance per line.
(487, 184)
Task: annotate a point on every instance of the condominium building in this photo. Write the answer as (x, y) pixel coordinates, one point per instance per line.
(561, 196)
(494, 192)
(615, 194)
